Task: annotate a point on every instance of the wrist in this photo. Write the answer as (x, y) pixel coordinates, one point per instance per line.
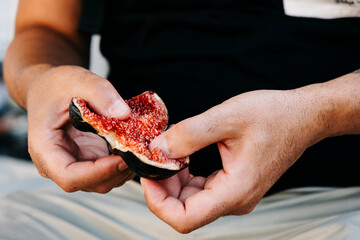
(343, 96)
(18, 83)
(334, 107)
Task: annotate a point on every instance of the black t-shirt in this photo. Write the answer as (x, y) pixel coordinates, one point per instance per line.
(196, 54)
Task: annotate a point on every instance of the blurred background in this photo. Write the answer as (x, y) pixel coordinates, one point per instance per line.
(13, 128)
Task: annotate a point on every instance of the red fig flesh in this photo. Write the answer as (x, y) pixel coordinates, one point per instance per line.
(130, 138)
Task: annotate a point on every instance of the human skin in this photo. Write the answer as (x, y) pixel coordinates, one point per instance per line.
(259, 134)
(44, 67)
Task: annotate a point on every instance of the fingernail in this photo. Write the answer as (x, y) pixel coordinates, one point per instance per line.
(159, 142)
(118, 109)
(122, 166)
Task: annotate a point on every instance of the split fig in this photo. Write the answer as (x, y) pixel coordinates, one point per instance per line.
(130, 138)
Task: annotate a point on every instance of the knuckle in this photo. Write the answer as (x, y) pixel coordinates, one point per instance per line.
(189, 128)
(43, 174)
(248, 209)
(67, 186)
(104, 84)
(153, 207)
(183, 229)
(102, 189)
(122, 183)
(183, 132)
(68, 189)
(93, 83)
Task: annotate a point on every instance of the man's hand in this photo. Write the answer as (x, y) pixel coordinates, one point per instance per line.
(42, 73)
(259, 134)
(72, 159)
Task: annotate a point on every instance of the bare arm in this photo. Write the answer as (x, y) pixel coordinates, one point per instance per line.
(45, 66)
(260, 134)
(45, 35)
(343, 96)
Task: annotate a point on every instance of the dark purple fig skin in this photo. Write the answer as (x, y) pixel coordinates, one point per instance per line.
(142, 169)
(134, 163)
(77, 121)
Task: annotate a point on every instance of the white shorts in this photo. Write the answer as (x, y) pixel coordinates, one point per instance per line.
(35, 208)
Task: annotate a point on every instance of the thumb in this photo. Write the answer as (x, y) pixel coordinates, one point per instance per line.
(192, 134)
(103, 98)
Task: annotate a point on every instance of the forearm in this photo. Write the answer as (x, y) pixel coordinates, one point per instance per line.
(334, 105)
(33, 51)
(346, 95)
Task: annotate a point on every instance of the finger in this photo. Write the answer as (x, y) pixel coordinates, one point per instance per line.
(103, 98)
(198, 210)
(188, 191)
(112, 183)
(192, 134)
(184, 177)
(130, 177)
(195, 185)
(197, 181)
(72, 176)
(172, 185)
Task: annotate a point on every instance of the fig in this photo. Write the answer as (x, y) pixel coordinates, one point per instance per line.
(130, 138)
